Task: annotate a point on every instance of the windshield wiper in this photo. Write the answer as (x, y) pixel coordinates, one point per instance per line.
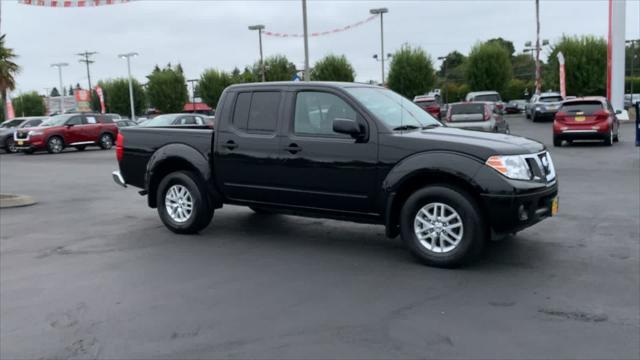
(406, 127)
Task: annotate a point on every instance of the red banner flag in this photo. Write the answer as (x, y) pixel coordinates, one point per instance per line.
(563, 85)
(101, 97)
(10, 112)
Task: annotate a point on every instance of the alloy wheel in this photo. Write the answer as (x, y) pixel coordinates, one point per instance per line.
(106, 142)
(438, 227)
(179, 203)
(55, 144)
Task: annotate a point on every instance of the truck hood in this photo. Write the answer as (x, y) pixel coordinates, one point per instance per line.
(475, 143)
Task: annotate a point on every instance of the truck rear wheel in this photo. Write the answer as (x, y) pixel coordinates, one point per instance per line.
(183, 204)
(442, 226)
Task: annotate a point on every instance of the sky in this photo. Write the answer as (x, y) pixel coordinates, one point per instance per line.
(213, 34)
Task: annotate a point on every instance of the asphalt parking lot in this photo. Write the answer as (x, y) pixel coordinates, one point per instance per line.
(91, 272)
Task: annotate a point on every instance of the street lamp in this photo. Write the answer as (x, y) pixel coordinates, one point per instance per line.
(193, 93)
(260, 28)
(307, 70)
(444, 68)
(128, 56)
(59, 66)
(381, 12)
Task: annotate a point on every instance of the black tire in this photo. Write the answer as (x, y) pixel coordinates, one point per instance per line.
(81, 147)
(202, 210)
(534, 118)
(473, 228)
(527, 115)
(105, 141)
(557, 142)
(10, 145)
(608, 140)
(55, 145)
(616, 137)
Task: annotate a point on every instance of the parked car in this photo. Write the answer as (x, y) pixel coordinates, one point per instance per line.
(125, 123)
(481, 116)
(429, 103)
(343, 151)
(515, 106)
(486, 96)
(543, 106)
(8, 127)
(586, 118)
(68, 130)
(175, 120)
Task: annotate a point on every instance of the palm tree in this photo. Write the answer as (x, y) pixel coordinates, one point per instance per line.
(8, 71)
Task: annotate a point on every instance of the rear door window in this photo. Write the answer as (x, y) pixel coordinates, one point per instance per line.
(583, 107)
(241, 111)
(263, 115)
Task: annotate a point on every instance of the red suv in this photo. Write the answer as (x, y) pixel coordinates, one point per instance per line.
(60, 131)
(589, 118)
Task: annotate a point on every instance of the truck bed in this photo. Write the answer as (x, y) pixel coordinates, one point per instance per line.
(140, 143)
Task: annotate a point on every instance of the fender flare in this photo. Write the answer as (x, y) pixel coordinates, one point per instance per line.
(189, 158)
(425, 166)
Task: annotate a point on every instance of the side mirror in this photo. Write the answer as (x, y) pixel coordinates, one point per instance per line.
(69, 125)
(618, 112)
(346, 126)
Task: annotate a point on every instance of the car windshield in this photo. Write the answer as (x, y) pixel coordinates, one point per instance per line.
(551, 99)
(425, 103)
(487, 97)
(394, 110)
(161, 120)
(11, 123)
(56, 120)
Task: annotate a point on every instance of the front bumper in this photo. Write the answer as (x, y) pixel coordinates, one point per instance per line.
(512, 213)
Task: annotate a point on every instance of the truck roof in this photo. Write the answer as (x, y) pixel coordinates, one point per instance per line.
(294, 84)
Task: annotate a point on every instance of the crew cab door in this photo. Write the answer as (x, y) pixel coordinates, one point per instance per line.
(324, 169)
(247, 146)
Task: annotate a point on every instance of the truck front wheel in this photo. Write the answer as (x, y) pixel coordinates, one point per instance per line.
(442, 226)
(183, 204)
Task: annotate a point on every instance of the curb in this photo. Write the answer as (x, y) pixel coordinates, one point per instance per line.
(11, 200)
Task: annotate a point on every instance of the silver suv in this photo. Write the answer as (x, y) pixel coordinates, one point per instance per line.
(543, 106)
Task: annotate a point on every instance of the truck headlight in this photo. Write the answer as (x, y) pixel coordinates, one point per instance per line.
(35, 132)
(512, 166)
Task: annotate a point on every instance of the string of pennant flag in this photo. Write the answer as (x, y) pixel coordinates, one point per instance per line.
(71, 3)
(323, 33)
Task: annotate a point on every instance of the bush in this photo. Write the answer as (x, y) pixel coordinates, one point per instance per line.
(489, 67)
(212, 83)
(333, 68)
(411, 72)
(516, 89)
(116, 97)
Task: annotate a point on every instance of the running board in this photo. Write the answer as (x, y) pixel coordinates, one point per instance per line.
(82, 143)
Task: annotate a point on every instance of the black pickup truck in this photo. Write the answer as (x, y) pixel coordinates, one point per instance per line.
(343, 151)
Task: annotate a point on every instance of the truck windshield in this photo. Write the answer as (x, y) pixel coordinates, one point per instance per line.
(392, 109)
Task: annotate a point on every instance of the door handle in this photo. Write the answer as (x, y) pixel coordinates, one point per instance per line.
(231, 145)
(293, 148)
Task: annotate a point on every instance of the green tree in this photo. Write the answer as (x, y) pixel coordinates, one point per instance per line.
(453, 62)
(212, 83)
(516, 89)
(54, 92)
(411, 72)
(333, 68)
(278, 68)
(508, 45)
(167, 90)
(8, 71)
(489, 67)
(585, 65)
(524, 67)
(116, 97)
(29, 104)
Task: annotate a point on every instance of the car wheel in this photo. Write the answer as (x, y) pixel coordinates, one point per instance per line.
(183, 203)
(533, 118)
(55, 145)
(10, 146)
(557, 142)
(608, 141)
(526, 114)
(106, 141)
(81, 147)
(442, 226)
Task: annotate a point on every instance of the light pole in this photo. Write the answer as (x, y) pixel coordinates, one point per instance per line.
(128, 56)
(260, 28)
(193, 94)
(307, 75)
(59, 66)
(381, 12)
(528, 47)
(444, 68)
